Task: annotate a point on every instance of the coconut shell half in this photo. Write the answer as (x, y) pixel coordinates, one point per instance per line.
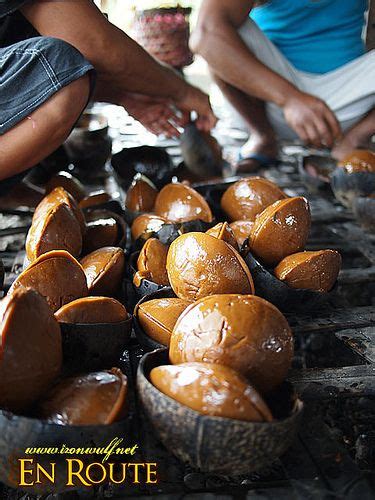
(104, 269)
(18, 430)
(244, 332)
(57, 276)
(30, 349)
(199, 265)
(207, 442)
(95, 332)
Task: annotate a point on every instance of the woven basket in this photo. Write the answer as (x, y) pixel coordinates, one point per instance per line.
(164, 33)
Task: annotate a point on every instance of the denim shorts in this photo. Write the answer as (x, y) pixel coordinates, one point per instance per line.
(31, 71)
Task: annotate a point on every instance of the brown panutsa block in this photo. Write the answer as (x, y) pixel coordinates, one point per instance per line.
(158, 317)
(57, 276)
(152, 263)
(199, 265)
(94, 399)
(31, 349)
(310, 270)
(211, 389)
(104, 270)
(141, 195)
(71, 184)
(281, 230)
(242, 230)
(244, 332)
(224, 232)
(247, 198)
(359, 160)
(180, 203)
(146, 223)
(92, 310)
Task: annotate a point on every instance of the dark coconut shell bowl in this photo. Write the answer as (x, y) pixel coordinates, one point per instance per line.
(122, 228)
(284, 297)
(364, 211)
(201, 152)
(151, 161)
(19, 432)
(205, 442)
(213, 194)
(146, 286)
(145, 340)
(89, 145)
(110, 205)
(171, 231)
(349, 186)
(315, 172)
(94, 346)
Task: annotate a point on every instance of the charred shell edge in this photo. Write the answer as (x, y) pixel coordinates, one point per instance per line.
(280, 294)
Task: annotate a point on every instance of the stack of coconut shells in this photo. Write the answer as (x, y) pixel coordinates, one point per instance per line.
(63, 330)
(227, 350)
(353, 183)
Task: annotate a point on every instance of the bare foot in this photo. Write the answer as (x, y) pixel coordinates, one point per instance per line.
(262, 145)
(358, 137)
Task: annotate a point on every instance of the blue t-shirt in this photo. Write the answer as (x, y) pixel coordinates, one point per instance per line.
(315, 36)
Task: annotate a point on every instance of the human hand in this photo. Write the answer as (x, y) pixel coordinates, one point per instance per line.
(156, 114)
(194, 99)
(312, 120)
(168, 116)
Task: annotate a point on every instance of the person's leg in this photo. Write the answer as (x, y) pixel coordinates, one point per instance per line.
(46, 85)
(263, 139)
(39, 134)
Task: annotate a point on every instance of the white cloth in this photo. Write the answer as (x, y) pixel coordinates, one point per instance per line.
(349, 90)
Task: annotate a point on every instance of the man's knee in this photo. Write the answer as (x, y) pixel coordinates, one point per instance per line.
(69, 102)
